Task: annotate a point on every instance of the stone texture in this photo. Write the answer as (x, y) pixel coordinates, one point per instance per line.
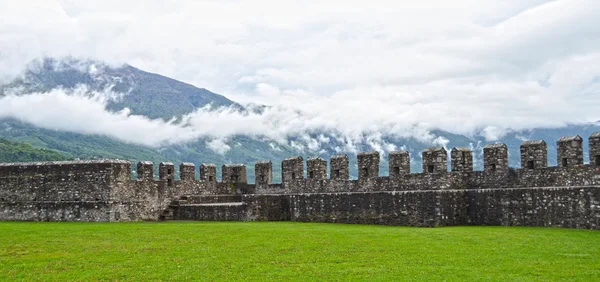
(569, 151)
(495, 158)
(316, 168)
(145, 171)
(435, 160)
(594, 142)
(368, 165)
(565, 196)
(263, 171)
(292, 170)
(166, 172)
(187, 171)
(339, 168)
(399, 163)
(534, 154)
(462, 159)
(234, 173)
(208, 173)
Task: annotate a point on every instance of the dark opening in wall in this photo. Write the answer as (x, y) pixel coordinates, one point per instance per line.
(565, 162)
(597, 160)
(430, 168)
(336, 173)
(365, 172)
(262, 178)
(210, 178)
(493, 167)
(169, 182)
(169, 171)
(397, 170)
(293, 175)
(233, 178)
(530, 164)
(311, 175)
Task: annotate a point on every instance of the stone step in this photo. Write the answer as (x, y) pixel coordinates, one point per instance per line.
(202, 199)
(214, 204)
(226, 211)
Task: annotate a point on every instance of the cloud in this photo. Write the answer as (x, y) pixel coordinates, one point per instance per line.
(218, 145)
(351, 69)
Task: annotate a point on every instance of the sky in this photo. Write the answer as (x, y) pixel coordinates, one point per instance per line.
(402, 67)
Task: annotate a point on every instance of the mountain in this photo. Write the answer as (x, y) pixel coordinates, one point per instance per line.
(158, 97)
(147, 94)
(23, 152)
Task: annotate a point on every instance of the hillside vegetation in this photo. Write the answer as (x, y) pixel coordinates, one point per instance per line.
(24, 152)
(282, 251)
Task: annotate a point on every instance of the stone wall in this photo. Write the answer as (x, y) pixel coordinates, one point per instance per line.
(104, 191)
(534, 154)
(571, 207)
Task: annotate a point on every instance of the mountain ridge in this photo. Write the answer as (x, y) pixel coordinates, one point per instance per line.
(158, 97)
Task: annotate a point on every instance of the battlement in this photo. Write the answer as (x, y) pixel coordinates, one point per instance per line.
(108, 183)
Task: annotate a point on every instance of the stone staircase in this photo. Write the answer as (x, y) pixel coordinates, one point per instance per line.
(205, 208)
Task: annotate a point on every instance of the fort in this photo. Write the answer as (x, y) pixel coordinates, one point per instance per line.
(567, 195)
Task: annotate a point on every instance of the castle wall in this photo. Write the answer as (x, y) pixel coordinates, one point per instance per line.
(499, 195)
(534, 154)
(435, 160)
(407, 208)
(399, 163)
(571, 207)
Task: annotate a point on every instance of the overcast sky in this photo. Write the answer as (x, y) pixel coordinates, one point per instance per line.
(467, 66)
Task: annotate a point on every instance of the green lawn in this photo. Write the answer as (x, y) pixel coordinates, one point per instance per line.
(293, 251)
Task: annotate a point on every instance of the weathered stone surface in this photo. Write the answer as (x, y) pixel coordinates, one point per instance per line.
(566, 196)
(368, 165)
(145, 171)
(534, 154)
(594, 142)
(316, 168)
(187, 171)
(569, 151)
(435, 160)
(462, 159)
(292, 170)
(399, 162)
(234, 173)
(339, 168)
(495, 159)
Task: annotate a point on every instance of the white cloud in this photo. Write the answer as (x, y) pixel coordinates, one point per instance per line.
(349, 68)
(218, 145)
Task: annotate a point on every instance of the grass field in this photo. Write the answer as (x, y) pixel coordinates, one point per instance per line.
(293, 251)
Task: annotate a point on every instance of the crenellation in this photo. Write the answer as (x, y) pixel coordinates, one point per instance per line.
(594, 142)
(166, 172)
(399, 163)
(368, 165)
(316, 168)
(208, 173)
(339, 166)
(234, 173)
(187, 171)
(292, 170)
(569, 151)
(462, 159)
(534, 154)
(145, 171)
(263, 171)
(435, 160)
(495, 158)
(499, 195)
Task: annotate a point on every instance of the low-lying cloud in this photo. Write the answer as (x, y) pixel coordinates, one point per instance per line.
(353, 71)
